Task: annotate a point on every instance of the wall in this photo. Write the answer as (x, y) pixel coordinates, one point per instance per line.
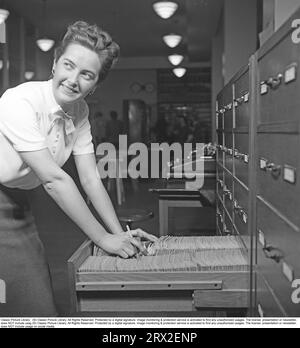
(240, 30)
(217, 71)
(116, 88)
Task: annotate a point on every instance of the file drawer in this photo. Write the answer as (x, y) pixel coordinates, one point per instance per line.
(242, 102)
(242, 157)
(279, 82)
(278, 170)
(278, 254)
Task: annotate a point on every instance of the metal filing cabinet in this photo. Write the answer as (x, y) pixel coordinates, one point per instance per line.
(278, 199)
(262, 174)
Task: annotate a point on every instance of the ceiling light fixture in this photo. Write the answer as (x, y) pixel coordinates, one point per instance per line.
(29, 75)
(2, 64)
(179, 72)
(45, 44)
(175, 59)
(172, 40)
(3, 15)
(165, 9)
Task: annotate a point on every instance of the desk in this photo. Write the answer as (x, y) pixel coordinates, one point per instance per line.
(178, 198)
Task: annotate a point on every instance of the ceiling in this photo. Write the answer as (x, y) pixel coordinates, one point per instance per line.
(132, 23)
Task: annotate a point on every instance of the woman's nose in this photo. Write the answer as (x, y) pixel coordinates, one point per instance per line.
(73, 78)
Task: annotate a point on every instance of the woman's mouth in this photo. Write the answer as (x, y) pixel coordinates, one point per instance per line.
(69, 90)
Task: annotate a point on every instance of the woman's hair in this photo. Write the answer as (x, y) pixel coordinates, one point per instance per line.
(94, 38)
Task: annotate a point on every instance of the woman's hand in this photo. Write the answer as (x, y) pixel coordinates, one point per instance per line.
(121, 244)
(138, 233)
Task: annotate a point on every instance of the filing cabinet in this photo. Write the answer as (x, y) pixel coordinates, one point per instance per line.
(262, 172)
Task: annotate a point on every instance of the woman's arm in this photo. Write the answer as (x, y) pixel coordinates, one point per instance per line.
(94, 188)
(61, 187)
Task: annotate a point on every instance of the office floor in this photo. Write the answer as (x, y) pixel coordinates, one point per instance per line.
(61, 237)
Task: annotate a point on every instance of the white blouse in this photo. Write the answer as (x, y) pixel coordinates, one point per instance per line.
(31, 120)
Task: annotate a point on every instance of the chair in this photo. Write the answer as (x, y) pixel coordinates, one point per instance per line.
(131, 216)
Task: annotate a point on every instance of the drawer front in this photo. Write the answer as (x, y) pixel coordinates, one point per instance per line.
(241, 157)
(240, 207)
(228, 227)
(228, 117)
(266, 305)
(228, 193)
(220, 146)
(220, 119)
(220, 217)
(280, 84)
(278, 168)
(229, 151)
(242, 102)
(220, 172)
(278, 251)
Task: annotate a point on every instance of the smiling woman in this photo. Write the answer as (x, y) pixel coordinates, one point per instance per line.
(41, 125)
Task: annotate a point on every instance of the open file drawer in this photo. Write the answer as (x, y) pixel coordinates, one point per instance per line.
(183, 289)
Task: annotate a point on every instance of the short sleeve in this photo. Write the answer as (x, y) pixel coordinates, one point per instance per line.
(19, 123)
(83, 144)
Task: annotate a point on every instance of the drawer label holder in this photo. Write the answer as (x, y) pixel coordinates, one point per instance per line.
(290, 174)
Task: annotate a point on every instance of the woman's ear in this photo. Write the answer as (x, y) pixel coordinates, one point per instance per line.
(53, 68)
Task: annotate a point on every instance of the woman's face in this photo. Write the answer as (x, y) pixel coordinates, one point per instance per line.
(75, 75)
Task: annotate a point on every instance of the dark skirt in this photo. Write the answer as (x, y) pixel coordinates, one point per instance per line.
(23, 265)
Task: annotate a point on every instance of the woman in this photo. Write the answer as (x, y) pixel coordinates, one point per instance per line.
(41, 124)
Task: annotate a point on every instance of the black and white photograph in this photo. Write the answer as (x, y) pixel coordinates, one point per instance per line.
(149, 162)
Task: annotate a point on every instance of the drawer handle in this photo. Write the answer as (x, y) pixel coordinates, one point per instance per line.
(239, 155)
(275, 82)
(227, 193)
(227, 232)
(239, 210)
(240, 100)
(274, 169)
(273, 253)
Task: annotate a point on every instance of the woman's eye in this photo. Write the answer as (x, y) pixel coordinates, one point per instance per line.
(87, 76)
(67, 65)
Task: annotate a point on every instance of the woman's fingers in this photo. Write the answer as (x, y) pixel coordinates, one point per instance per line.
(123, 254)
(129, 250)
(138, 245)
(142, 234)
